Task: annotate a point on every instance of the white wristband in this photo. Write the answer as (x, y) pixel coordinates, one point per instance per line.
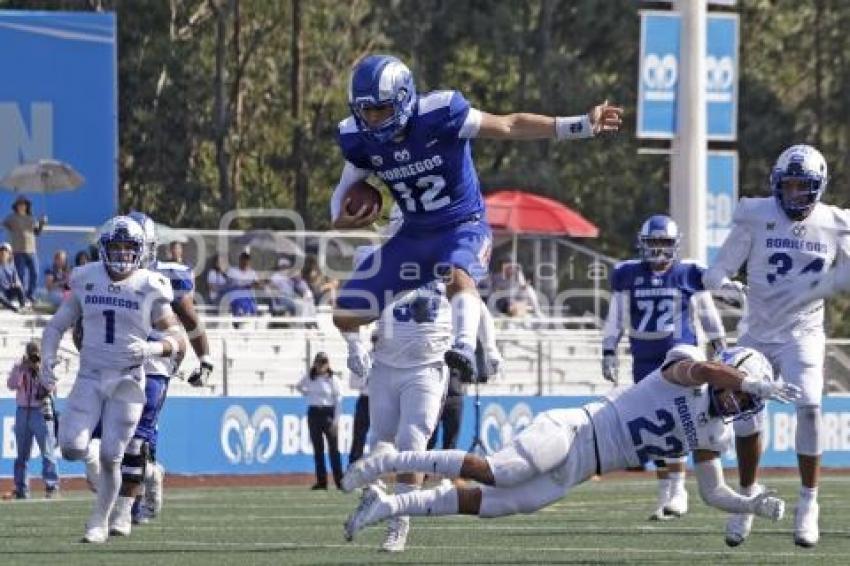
(573, 127)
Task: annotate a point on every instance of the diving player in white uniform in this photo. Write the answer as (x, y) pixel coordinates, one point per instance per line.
(120, 304)
(678, 408)
(785, 240)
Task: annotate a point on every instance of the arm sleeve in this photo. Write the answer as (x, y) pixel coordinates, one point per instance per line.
(715, 492)
(731, 256)
(350, 175)
(709, 318)
(613, 329)
(458, 120)
(64, 318)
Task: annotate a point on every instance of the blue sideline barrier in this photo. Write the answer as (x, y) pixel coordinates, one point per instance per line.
(240, 435)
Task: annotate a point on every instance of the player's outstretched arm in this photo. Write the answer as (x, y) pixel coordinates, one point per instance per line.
(715, 492)
(525, 126)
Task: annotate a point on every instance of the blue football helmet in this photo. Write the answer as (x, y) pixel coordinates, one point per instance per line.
(659, 240)
(734, 405)
(121, 245)
(801, 163)
(149, 228)
(376, 81)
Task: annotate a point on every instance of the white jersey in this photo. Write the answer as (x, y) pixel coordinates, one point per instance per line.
(116, 313)
(181, 280)
(777, 251)
(416, 329)
(656, 419)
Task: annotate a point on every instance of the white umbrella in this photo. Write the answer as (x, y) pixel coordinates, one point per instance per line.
(43, 176)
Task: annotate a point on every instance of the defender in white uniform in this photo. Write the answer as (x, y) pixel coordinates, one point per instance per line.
(120, 305)
(785, 240)
(679, 408)
(408, 378)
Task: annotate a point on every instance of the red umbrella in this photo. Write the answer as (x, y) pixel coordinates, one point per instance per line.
(519, 212)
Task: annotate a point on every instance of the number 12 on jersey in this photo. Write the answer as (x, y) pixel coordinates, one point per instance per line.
(429, 199)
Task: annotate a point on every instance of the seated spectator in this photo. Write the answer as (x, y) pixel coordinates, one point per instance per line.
(323, 288)
(241, 282)
(216, 278)
(290, 293)
(175, 253)
(56, 278)
(511, 294)
(81, 258)
(11, 290)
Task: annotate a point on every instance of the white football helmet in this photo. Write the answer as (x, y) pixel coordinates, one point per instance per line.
(734, 405)
(121, 245)
(805, 164)
(149, 229)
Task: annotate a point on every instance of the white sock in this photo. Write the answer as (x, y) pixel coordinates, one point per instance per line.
(466, 315)
(123, 506)
(107, 491)
(677, 481)
(750, 490)
(663, 489)
(439, 501)
(434, 462)
(808, 494)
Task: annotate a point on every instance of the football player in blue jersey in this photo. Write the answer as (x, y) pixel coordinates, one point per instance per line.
(140, 469)
(654, 299)
(419, 146)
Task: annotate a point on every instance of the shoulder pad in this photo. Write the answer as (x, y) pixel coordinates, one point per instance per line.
(82, 274)
(681, 352)
(751, 210)
(160, 284)
(435, 100)
(348, 126)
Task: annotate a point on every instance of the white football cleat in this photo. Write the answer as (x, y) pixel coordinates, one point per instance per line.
(367, 470)
(739, 525)
(371, 509)
(120, 521)
(396, 538)
(806, 531)
(677, 504)
(96, 534)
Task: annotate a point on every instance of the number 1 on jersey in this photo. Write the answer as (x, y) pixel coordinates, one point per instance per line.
(109, 315)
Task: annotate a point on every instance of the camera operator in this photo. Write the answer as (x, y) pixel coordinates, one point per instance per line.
(34, 418)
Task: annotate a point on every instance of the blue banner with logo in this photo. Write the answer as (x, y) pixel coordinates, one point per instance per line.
(721, 198)
(659, 75)
(270, 435)
(59, 101)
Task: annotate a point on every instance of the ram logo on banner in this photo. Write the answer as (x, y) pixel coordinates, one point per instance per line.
(721, 198)
(659, 75)
(59, 100)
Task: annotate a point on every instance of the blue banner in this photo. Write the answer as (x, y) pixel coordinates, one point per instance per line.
(721, 198)
(59, 101)
(269, 435)
(659, 75)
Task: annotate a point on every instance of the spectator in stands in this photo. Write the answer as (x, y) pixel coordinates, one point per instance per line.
(11, 290)
(175, 253)
(241, 282)
(56, 278)
(323, 288)
(322, 389)
(81, 258)
(23, 228)
(510, 294)
(216, 278)
(34, 408)
(290, 293)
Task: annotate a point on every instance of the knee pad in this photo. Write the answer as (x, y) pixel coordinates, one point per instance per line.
(510, 467)
(73, 453)
(134, 462)
(808, 435)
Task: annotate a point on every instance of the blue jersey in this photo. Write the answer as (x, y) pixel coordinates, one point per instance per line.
(659, 306)
(180, 276)
(430, 172)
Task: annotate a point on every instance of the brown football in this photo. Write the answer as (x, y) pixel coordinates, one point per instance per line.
(362, 193)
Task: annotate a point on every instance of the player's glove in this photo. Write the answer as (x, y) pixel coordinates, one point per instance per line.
(732, 293)
(776, 390)
(767, 505)
(610, 366)
(141, 350)
(201, 374)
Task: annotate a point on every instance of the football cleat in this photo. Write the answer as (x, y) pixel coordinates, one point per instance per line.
(396, 538)
(461, 362)
(806, 531)
(368, 470)
(372, 508)
(739, 525)
(95, 533)
(677, 504)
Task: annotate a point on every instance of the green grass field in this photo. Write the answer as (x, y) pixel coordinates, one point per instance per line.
(599, 523)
